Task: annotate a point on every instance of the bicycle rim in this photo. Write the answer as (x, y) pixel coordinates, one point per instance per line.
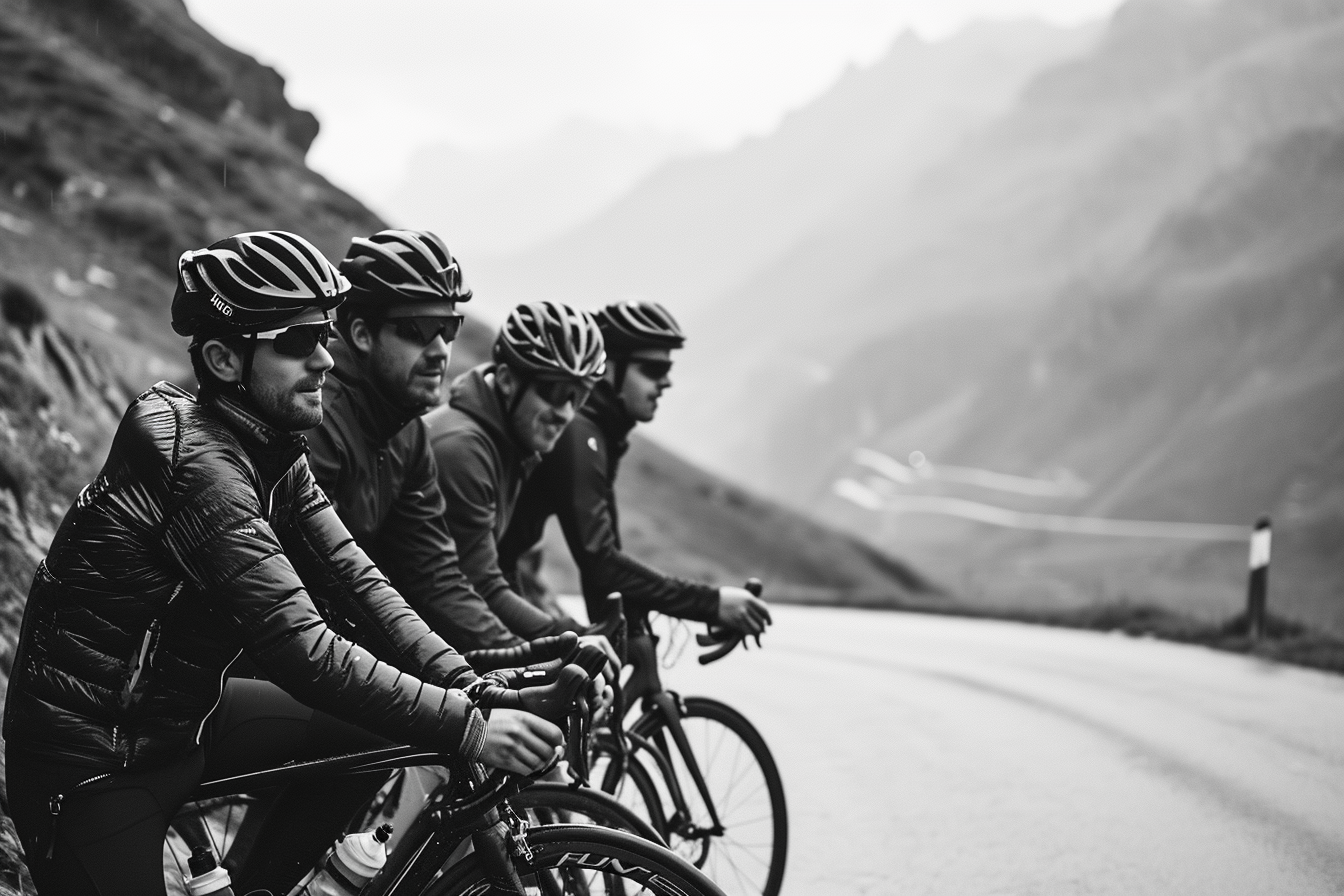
(586, 860)
(748, 857)
(550, 803)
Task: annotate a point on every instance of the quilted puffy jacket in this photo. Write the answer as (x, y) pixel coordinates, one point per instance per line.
(203, 536)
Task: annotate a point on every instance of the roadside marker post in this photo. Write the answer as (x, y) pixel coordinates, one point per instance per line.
(1257, 586)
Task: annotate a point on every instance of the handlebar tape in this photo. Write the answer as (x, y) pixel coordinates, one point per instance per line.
(613, 626)
(539, 650)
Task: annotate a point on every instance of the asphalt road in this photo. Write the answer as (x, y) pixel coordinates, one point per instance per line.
(927, 755)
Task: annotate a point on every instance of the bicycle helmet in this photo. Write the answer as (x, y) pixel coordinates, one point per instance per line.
(631, 326)
(551, 341)
(251, 282)
(403, 266)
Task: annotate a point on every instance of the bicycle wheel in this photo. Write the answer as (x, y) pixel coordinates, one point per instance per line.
(550, 803)
(587, 860)
(747, 857)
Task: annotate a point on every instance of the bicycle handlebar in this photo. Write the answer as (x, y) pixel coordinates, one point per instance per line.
(724, 640)
(539, 650)
(613, 626)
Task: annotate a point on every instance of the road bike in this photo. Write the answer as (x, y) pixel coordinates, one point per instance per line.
(471, 836)
(699, 771)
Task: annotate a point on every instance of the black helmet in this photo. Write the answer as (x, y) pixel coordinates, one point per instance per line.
(250, 282)
(550, 340)
(403, 266)
(631, 326)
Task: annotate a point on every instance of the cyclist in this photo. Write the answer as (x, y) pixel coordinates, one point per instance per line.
(500, 419)
(370, 455)
(205, 536)
(576, 483)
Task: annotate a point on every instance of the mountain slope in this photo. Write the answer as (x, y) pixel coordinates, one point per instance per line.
(1057, 195)
(1202, 386)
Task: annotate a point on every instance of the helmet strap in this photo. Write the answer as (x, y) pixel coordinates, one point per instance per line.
(248, 355)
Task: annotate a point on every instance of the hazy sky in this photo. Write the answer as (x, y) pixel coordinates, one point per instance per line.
(386, 78)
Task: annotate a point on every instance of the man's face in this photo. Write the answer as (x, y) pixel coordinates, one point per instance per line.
(405, 368)
(545, 409)
(288, 390)
(647, 374)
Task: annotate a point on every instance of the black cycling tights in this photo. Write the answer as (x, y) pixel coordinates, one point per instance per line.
(109, 838)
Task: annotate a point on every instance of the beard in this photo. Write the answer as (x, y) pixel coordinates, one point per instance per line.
(414, 391)
(287, 408)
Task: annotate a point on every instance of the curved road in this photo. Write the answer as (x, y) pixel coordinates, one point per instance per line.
(931, 755)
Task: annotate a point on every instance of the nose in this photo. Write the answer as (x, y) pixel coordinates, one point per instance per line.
(437, 348)
(321, 360)
(565, 412)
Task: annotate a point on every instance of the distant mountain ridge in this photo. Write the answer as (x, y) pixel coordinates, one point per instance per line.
(691, 231)
(496, 202)
(1053, 196)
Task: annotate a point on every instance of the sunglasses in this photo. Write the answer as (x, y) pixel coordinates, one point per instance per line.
(422, 330)
(558, 393)
(654, 370)
(299, 340)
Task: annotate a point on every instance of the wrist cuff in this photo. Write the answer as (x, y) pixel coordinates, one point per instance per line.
(473, 738)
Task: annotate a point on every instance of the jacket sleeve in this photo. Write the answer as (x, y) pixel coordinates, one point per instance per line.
(583, 498)
(416, 548)
(337, 572)
(217, 535)
(468, 483)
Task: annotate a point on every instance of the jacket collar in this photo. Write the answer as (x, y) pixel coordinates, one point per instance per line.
(604, 408)
(273, 450)
(474, 394)
(377, 417)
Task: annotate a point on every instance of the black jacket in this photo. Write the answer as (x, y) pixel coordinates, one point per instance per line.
(375, 464)
(481, 468)
(203, 536)
(576, 483)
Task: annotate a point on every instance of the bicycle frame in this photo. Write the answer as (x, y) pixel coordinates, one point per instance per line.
(439, 829)
(645, 686)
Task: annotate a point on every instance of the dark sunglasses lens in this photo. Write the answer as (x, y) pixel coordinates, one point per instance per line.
(422, 330)
(654, 370)
(558, 393)
(301, 341)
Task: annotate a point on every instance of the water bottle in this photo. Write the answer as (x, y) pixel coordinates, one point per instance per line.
(207, 878)
(352, 864)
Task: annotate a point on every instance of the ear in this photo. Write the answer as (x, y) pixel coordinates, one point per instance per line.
(222, 361)
(506, 380)
(361, 335)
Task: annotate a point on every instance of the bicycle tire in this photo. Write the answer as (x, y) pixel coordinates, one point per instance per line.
(588, 860)
(546, 798)
(749, 858)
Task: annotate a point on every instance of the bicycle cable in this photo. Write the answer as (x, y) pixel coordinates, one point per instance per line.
(678, 639)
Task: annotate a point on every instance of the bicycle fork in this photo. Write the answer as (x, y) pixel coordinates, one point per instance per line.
(669, 705)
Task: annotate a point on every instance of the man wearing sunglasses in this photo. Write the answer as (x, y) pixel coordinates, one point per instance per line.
(576, 483)
(371, 454)
(204, 537)
(500, 419)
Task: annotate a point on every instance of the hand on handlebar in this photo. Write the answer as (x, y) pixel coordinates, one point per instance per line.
(742, 611)
(520, 742)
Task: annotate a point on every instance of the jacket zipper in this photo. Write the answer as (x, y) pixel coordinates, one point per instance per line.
(55, 804)
(222, 673)
(143, 658)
